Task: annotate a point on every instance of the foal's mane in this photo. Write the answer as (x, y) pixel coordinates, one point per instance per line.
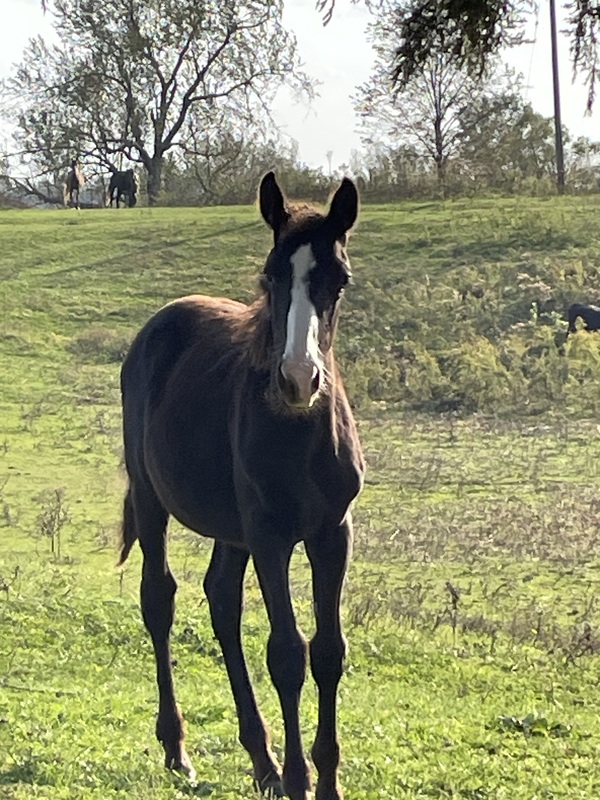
(253, 329)
(303, 216)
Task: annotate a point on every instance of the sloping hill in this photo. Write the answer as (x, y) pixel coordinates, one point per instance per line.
(472, 603)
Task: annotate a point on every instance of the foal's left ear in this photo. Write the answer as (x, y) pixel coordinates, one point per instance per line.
(344, 208)
(272, 204)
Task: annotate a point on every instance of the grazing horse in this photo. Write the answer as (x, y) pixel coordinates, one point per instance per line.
(236, 422)
(73, 184)
(123, 185)
(589, 314)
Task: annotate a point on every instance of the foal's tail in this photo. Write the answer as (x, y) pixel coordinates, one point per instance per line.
(128, 528)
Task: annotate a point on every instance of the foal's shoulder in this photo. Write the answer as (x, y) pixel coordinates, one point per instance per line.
(182, 326)
(181, 321)
(206, 305)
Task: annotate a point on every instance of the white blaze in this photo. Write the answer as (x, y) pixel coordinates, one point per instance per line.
(302, 343)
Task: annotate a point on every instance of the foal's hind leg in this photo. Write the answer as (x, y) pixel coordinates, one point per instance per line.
(223, 585)
(328, 555)
(158, 589)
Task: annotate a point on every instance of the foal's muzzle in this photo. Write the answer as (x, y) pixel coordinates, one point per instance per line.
(299, 382)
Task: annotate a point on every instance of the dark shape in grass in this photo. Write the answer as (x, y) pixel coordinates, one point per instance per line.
(236, 422)
(532, 725)
(588, 313)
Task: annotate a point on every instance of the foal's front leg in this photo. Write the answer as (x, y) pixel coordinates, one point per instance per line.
(224, 588)
(328, 554)
(286, 656)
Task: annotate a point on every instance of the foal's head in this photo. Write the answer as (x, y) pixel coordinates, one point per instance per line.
(304, 278)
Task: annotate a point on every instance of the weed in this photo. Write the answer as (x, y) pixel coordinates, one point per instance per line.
(7, 513)
(6, 584)
(99, 345)
(31, 414)
(54, 515)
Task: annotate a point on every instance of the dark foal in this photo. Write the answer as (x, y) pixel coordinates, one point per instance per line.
(123, 184)
(73, 185)
(589, 314)
(236, 423)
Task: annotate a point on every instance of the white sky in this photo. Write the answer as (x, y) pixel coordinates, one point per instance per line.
(340, 58)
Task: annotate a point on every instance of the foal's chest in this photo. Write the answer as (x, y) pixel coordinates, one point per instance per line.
(281, 472)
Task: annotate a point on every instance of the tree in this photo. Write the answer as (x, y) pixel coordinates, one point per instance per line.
(471, 30)
(425, 115)
(228, 169)
(504, 142)
(583, 164)
(136, 78)
(385, 173)
(475, 30)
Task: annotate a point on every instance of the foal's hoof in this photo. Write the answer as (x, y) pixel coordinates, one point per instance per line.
(181, 764)
(270, 786)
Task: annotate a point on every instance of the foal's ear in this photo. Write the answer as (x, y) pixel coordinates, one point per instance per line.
(344, 208)
(272, 204)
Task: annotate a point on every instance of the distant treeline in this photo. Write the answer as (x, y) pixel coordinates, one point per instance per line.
(383, 174)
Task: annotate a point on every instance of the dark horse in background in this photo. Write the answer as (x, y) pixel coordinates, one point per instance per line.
(73, 184)
(123, 184)
(589, 314)
(236, 422)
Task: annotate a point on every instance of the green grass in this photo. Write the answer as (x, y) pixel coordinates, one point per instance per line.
(471, 607)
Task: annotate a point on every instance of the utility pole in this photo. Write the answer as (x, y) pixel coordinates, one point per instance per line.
(560, 159)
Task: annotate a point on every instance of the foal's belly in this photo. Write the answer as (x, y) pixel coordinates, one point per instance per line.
(190, 469)
(219, 522)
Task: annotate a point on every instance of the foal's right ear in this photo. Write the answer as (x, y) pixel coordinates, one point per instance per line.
(272, 204)
(343, 210)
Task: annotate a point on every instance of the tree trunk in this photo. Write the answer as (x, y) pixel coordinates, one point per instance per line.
(440, 166)
(440, 156)
(155, 169)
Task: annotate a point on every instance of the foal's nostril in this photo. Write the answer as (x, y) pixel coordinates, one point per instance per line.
(288, 386)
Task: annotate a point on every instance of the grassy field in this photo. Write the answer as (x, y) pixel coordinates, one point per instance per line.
(472, 605)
